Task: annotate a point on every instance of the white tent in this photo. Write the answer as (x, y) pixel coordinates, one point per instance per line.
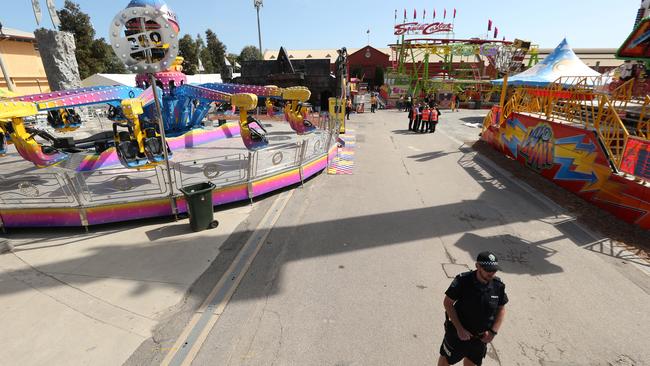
(109, 80)
(562, 62)
(129, 79)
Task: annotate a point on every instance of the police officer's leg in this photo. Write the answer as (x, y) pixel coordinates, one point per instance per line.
(411, 122)
(475, 352)
(451, 349)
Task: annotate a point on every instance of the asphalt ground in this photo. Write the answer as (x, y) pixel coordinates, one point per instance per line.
(354, 270)
(347, 270)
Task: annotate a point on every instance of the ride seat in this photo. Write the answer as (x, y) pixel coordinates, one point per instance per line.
(54, 119)
(153, 144)
(127, 147)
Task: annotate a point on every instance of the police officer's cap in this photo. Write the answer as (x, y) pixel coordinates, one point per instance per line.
(488, 261)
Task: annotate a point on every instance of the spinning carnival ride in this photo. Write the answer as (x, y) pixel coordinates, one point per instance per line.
(136, 130)
(77, 181)
(425, 65)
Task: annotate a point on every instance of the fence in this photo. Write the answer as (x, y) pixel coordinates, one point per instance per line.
(84, 190)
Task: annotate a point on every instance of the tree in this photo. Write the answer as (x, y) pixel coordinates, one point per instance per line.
(188, 49)
(233, 59)
(93, 55)
(217, 51)
(249, 53)
(204, 55)
(75, 21)
(103, 52)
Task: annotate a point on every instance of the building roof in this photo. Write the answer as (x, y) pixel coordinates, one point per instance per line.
(316, 54)
(17, 34)
(604, 57)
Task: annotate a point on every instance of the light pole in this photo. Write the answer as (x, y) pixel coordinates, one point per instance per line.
(258, 4)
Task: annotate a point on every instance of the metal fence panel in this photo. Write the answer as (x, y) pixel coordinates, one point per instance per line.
(36, 190)
(221, 171)
(316, 145)
(121, 184)
(276, 158)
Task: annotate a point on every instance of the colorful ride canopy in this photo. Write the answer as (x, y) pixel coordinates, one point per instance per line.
(562, 62)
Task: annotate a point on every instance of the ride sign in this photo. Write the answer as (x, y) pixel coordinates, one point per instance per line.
(422, 28)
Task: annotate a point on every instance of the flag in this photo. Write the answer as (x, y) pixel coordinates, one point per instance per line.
(444, 15)
(489, 24)
(424, 14)
(415, 14)
(454, 13)
(496, 32)
(504, 38)
(434, 13)
(395, 14)
(404, 14)
(368, 31)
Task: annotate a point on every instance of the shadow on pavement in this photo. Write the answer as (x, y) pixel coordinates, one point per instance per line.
(431, 155)
(515, 255)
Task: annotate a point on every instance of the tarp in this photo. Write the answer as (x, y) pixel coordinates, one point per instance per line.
(561, 62)
(129, 79)
(109, 80)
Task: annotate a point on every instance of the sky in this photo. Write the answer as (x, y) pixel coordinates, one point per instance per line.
(318, 24)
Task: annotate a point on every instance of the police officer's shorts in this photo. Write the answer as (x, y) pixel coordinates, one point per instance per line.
(454, 350)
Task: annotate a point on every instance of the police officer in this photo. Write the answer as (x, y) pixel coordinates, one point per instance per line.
(474, 309)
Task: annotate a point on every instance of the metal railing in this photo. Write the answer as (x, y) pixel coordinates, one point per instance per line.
(643, 125)
(574, 100)
(82, 190)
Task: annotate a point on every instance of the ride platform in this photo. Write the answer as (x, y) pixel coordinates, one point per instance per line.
(92, 189)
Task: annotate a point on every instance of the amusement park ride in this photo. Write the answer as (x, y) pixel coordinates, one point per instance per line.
(125, 172)
(424, 63)
(136, 133)
(586, 132)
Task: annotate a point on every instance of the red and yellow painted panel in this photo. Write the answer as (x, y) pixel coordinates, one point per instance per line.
(572, 158)
(636, 158)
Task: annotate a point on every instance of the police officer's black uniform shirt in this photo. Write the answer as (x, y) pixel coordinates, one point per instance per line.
(476, 303)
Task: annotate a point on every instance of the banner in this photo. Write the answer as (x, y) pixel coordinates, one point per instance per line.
(423, 28)
(51, 8)
(636, 158)
(36, 5)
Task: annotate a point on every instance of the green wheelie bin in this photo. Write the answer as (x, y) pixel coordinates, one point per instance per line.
(199, 205)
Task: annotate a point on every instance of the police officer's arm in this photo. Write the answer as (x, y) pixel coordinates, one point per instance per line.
(489, 335)
(501, 314)
(448, 303)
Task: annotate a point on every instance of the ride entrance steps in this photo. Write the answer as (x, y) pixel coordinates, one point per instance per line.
(343, 163)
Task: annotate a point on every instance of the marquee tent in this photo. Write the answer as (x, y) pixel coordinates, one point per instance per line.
(562, 62)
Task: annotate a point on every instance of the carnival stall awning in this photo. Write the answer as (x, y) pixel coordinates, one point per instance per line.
(562, 62)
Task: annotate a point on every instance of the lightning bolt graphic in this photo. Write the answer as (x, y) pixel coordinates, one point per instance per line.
(514, 134)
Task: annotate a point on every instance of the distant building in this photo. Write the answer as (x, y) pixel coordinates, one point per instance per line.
(23, 62)
(284, 70)
(600, 59)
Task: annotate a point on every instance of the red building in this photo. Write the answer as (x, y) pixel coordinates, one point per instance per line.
(369, 63)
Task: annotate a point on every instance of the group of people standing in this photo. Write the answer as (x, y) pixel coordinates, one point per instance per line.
(424, 117)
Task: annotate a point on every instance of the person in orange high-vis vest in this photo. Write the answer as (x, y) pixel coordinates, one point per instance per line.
(435, 118)
(413, 113)
(426, 117)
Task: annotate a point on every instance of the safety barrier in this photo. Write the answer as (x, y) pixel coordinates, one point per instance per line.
(113, 195)
(575, 100)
